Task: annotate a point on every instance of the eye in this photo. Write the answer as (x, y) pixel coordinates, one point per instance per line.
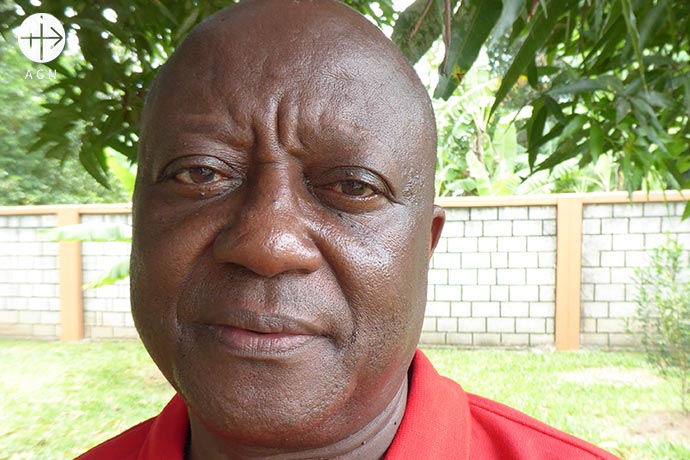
(351, 189)
(354, 188)
(201, 176)
(197, 175)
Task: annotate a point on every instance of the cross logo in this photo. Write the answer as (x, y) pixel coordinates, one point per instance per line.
(41, 37)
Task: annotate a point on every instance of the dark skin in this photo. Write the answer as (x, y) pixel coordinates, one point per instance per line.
(283, 224)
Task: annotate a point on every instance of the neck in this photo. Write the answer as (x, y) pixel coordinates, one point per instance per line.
(370, 442)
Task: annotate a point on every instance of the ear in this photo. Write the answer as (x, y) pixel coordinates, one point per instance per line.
(438, 219)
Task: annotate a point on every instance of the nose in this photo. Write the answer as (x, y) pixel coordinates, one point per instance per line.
(270, 234)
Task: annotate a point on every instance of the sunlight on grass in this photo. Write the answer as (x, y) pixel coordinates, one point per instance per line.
(603, 397)
(57, 399)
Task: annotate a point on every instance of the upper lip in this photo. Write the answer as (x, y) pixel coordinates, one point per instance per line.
(267, 323)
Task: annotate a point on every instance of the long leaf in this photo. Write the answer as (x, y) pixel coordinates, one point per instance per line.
(633, 34)
(596, 141)
(609, 31)
(479, 174)
(651, 23)
(88, 232)
(116, 273)
(124, 173)
(535, 130)
(470, 27)
(414, 47)
(583, 85)
(511, 11)
(567, 150)
(541, 29)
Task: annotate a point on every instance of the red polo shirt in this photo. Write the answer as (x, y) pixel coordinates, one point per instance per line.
(441, 422)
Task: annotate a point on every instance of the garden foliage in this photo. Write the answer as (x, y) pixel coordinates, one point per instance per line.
(663, 312)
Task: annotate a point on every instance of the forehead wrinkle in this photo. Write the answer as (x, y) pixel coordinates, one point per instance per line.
(287, 119)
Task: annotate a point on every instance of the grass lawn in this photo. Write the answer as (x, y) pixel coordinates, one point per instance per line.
(57, 400)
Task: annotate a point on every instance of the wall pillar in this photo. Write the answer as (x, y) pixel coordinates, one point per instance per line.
(71, 300)
(568, 272)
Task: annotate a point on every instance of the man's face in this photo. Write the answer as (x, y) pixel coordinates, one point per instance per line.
(283, 224)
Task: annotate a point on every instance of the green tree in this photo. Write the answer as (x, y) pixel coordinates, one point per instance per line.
(98, 97)
(483, 155)
(600, 77)
(27, 177)
(603, 76)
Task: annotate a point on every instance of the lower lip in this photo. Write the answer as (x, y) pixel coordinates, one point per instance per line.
(256, 344)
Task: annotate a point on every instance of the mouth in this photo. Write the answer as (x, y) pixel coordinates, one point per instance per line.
(264, 337)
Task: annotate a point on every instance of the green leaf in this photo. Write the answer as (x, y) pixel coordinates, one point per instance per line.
(644, 112)
(466, 185)
(89, 159)
(166, 11)
(596, 141)
(555, 109)
(88, 232)
(506, 185)
(429, 30)
(583, 85)
(622, 109)
(505, 143)
(533, 75)
(633, 35)
(187, 24)
(568, 149)
(116, 273)
(479, 174)
(541, 29)
(569, 145)
(470, 27)
(609, 33)
(124, 173)
(657, 99)
(509, 14)
(686, 211)
(535, 130)
(574, 125)
(651, 22)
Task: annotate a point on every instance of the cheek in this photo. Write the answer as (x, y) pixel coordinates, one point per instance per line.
(165, 248)
(382, 269)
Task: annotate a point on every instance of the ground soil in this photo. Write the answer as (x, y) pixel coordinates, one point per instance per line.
(672, 426)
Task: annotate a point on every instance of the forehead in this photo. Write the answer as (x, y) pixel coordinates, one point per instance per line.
(321, 79)
(338, 78)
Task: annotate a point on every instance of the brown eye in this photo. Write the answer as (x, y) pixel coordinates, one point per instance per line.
(354, 188)
(196, 175)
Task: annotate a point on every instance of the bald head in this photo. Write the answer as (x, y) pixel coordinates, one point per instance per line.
(321, 55)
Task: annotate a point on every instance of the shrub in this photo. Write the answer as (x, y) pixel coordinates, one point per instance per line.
(663, 312)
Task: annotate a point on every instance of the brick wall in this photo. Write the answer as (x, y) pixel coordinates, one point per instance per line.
(106, 309)
(29, 280)
(492, 278)
(615, 240)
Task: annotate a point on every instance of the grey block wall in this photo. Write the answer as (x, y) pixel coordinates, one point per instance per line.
(106, 309)
(29, 278)
(492, 278)
(615, 240)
